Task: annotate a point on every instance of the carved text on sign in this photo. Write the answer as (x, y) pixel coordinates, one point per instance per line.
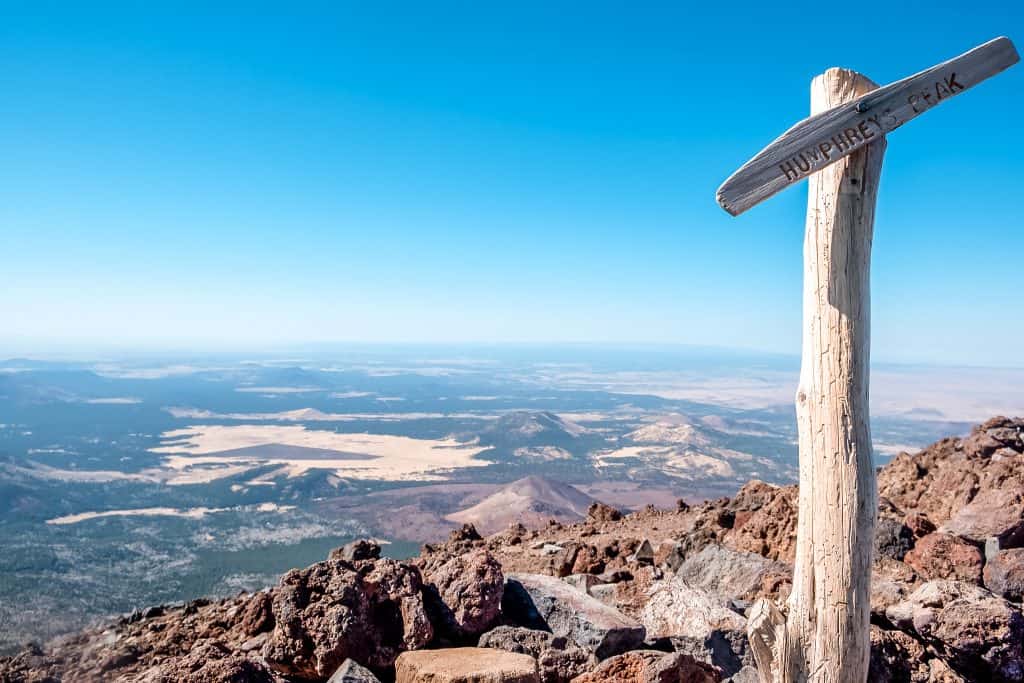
(861, 132)
(838, 145)
(945, 87)
(830, 135)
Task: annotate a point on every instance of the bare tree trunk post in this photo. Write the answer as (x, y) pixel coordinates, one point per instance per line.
(824, 634)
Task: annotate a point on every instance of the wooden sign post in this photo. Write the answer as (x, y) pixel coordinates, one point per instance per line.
(822, 633)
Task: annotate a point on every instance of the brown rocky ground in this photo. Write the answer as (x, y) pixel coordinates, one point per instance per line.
(657, 595)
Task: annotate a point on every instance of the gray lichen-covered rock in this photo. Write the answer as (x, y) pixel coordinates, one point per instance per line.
(562, 665)
(893, 538)
(728, 651)
(547, 603)
(1004, 574)
(747, 674)
(465, 665)
(583, 582)
(669, 555)
(730, 573)
(526, 641)
(674, 608)
(981, 633)
(891, 582)
(644, 554)
(351, 672)
(993, 512)
(558, 662)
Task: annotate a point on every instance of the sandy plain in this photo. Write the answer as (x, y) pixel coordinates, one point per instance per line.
(358, 456)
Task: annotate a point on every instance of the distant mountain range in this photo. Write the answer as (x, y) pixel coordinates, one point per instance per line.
(531, 428)
(667, 432)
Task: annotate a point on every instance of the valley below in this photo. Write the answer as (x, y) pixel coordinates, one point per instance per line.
(149, 480)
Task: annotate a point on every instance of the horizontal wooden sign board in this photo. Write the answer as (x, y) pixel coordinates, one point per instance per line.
(829, 136)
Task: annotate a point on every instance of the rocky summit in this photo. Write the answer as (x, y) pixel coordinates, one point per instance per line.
(650, 596)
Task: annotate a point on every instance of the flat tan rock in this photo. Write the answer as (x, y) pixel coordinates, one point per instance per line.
(465, 665)
(650, 666)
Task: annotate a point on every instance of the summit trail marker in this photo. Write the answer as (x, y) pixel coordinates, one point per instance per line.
(830, 135)
(821, 635)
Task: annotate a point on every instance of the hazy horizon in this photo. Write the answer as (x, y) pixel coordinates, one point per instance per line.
(304, 351)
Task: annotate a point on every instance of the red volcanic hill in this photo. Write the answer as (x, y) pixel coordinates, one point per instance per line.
(531, 501)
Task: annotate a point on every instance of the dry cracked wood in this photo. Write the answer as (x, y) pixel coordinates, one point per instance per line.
(829, 136)
(823, 636)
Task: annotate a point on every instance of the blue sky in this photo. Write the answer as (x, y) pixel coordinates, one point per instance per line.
(265, 175)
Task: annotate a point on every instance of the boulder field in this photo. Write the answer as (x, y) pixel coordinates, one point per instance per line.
(654, 596)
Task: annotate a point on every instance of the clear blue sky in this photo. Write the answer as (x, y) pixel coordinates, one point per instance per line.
(264, 175)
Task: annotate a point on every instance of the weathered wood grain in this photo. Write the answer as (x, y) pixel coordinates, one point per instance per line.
(824, 637)
(829, 136)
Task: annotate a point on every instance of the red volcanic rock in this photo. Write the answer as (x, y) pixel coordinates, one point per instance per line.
(995, 512)
(651, 666)
(599, 512)
(330, 612)
(469, 587)
(31, 665)
(907, 480)
(588, 560)
(211, 663)
(979, 633)
(258, 614)
(941, 479)
(564, 561)
(1004, 574)
(995, 435)
(918, 524)
(357, 551)
(467, 532)
(896, 656)
(764, 521)
(943, 556)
